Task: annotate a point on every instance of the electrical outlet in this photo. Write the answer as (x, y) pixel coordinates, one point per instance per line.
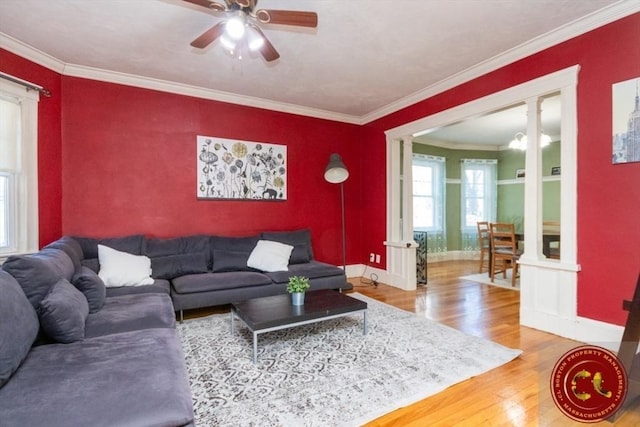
(371, 257)
(377, 258)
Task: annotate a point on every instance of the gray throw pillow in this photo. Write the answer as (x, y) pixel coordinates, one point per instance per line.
(299, 239)
(91, 285)
(170, 266)
(37, 272)
(232, 253)
(18, 326)
(63, 313)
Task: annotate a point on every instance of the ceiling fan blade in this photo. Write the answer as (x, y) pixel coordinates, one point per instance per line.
(288, 17)
(209, 36)
(269, 53)
(213, 5)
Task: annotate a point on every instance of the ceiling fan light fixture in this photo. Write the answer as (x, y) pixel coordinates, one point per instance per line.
(519, 141)
(227, 42)
(254, 40)
(235, 27)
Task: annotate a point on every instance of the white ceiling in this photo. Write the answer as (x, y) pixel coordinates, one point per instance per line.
(365, 58)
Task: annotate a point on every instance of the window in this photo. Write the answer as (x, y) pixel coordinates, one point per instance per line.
(18, 169)
(428, 192)
(479, 192)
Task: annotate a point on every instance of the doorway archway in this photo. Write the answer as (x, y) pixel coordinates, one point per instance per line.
(548, 297)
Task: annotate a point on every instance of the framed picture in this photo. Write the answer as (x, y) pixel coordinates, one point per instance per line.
(626, 122)
(230, 169)
(519, 173)
(555, 170)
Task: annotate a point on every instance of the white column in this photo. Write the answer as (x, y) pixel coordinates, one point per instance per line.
(533, 183)
(407, 189)
(401, 249)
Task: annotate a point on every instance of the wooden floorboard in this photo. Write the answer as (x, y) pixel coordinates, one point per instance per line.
(515, 394)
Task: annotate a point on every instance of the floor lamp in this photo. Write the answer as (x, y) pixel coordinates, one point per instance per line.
(336, 173)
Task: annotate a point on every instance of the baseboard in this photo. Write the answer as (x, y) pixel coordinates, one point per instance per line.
(365, 271)
(453, 256)
(599, 333)
(581, 329)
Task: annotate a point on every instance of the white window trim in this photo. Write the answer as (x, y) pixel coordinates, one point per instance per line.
(490, 198)
(439, 198)
(26, 185)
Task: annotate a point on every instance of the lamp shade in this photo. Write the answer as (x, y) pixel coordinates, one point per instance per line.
(336, 172)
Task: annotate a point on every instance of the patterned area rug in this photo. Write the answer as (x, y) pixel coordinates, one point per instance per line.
(327, 373)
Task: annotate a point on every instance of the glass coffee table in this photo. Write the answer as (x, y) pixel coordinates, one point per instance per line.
(273, 313)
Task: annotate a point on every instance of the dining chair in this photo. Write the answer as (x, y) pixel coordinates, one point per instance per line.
(484, 243)
(504, 250)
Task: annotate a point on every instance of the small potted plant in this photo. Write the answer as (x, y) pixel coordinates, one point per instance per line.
(297, 286)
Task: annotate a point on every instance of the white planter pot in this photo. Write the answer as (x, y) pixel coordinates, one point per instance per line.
(297, 298)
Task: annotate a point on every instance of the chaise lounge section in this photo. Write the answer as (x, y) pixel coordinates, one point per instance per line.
(75, 349)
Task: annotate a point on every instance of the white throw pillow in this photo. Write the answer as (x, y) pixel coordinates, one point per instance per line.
(270, 256)
(123, 269)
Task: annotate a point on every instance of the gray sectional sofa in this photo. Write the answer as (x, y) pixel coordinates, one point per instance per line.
(203, 271)
(76, 352)
(71, 356)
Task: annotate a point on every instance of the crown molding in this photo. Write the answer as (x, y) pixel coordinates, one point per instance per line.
(561, 34)
(199, 92)
(458, 145)
(31, 53)
(589, 22)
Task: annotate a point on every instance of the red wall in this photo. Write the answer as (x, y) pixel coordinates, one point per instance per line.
(49, 141)
(129, 158)
(608, 195)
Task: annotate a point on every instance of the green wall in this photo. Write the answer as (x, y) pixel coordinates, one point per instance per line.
(510, 191)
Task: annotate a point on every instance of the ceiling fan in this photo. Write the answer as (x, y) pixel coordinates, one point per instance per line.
(240, 31)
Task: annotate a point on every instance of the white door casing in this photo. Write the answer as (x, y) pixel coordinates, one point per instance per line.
(548, 298)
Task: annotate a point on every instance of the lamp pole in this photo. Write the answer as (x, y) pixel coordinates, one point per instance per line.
(336, 173)
(344, 233)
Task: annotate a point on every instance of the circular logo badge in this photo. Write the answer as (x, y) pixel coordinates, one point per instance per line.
(588, 384)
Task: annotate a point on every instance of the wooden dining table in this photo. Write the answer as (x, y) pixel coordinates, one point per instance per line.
(548, 236)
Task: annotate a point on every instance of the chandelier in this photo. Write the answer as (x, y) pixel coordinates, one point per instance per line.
(519, 142)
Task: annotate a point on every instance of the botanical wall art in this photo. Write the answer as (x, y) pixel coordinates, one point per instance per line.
(233, 169)
(626, 121)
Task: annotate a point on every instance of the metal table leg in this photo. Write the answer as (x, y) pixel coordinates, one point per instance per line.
(255, 347)
(364, 326)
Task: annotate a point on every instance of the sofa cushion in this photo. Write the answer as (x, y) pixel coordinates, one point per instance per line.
(130, 244)
(232, 253)
(311, 269)
(37, 272)
(18, 326)
(71, 247)
(63, 312)
(129, 379)
(192, 283)
(170, 266)
(119, 268)
(299, 239)
(133, 312)
(197, 244)
(160, 286)
(270, 256)
(91, 285)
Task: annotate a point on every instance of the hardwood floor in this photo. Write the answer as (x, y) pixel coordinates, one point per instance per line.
(515, 394)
